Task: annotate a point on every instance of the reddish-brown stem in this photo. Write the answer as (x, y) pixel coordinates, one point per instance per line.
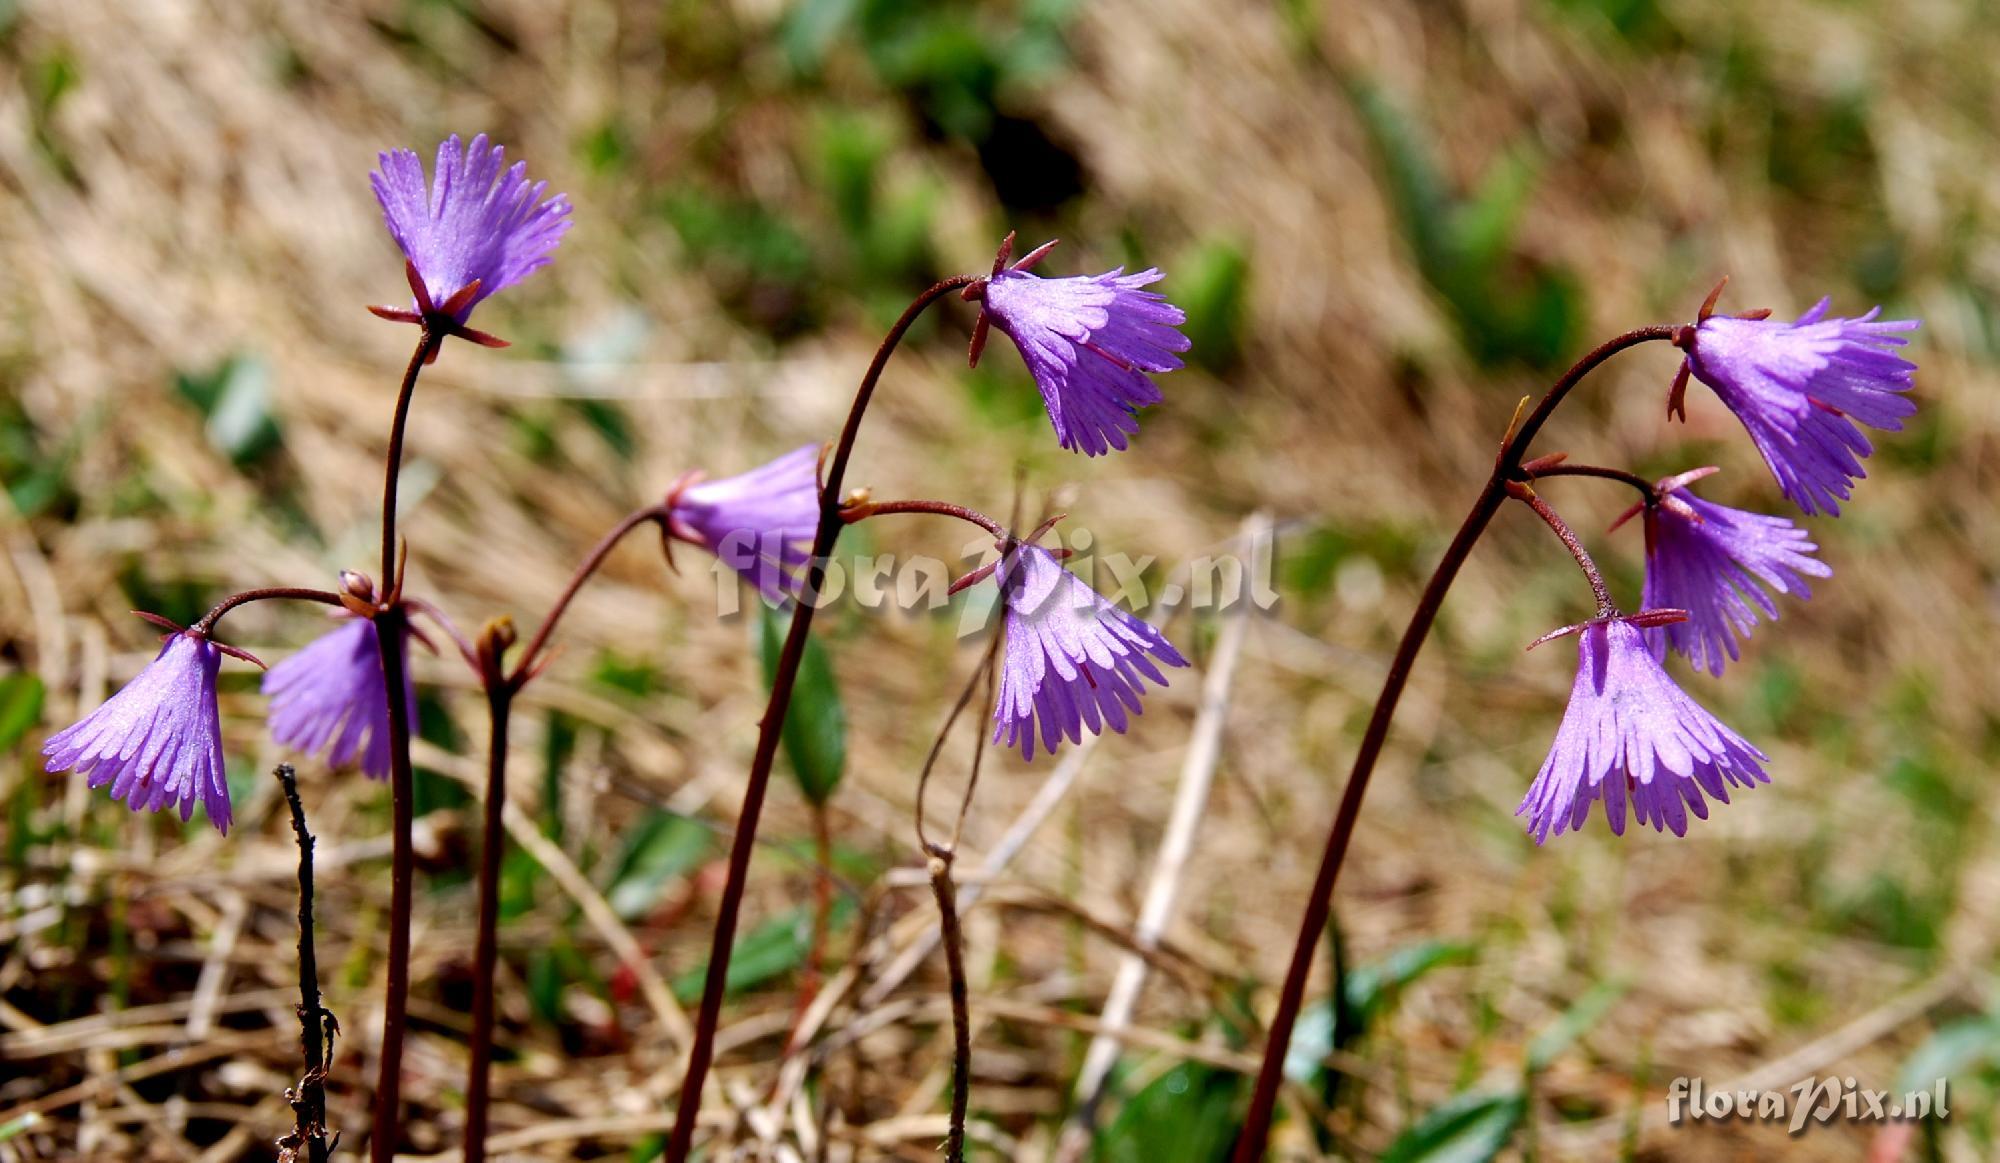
(1605, 606)
(427, 346)
(853, 513)
(486, 950)
(1600, 472)
(389, 632)
(292, 593)
(524, 669)
(961, 1023)
(702, 1052)
(316, 1023)
(1250, 1146)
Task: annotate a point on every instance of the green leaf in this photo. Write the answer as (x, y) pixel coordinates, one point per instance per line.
(235, 398)
(1188, 1115)
(20, 707)
(1467, 1128)
(1210, 284)
(1370, 988)
(815, 733)
(771, 950)
(1953, 1051)
(1573, 1024)
(661, 849)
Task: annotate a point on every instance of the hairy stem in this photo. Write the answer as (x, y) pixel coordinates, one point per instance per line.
(315, 1023)
(1251, 1145)
(486, 950)
(702, 1052)
(390, 629)
(1605, 606)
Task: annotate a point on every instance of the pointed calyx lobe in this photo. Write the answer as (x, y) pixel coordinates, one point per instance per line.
(1631, 735)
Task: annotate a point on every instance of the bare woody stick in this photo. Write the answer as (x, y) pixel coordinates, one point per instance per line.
(317, 1026)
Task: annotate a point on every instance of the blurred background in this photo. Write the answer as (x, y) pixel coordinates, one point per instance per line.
(1387, 222)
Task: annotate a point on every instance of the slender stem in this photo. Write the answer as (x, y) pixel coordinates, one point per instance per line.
(1638, 482)
(589, 566)
(854, 513)
(390, 629)
(315, 1023)
(1250, 1146)
(961, 1025)
(486, 955)
(427, 345)
(1605, 606)
(702, 1052)
(229, 603)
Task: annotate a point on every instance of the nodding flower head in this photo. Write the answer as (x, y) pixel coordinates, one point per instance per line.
(1630, 734)
(1716, 562)
(332, 695)
(1089, 341)
(1074, 662)
(761, 523)
(158, 741)
(1802, 388)
(476, 230)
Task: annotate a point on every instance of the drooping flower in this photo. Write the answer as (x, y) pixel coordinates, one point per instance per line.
(760, 524)
(1801, 388)
(475, 230)
(1073, 662)
(1709, 559)
(1631, 734)
(1089, 341)
(158, 741)
(332, 694)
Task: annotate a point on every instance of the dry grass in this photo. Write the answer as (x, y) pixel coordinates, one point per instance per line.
(200, 191)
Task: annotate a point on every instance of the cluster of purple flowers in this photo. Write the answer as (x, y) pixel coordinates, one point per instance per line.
(1073, 661)
(1630, 734)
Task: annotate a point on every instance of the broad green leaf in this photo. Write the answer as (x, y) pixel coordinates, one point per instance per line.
(1573, 1024)
(815, 733)
(661, 849)
(1188, 1115)
(20, 707)
(1467, 1128)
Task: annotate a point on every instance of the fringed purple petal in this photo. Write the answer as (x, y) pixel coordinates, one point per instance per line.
(1090, 342)
(475, 222)
(760, 523)
(1072, 662)
(1630, 735)
(158, 741)
(332, 696)
(1717, 569)
(1801, 388)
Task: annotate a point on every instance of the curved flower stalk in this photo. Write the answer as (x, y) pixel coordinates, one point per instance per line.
(1074, 662)
(1716, 562)
(1631, 735)
(331, 695)
(474, 231)
(760, 523)
(158, 741)
(1801, 388)
(1090, 342)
